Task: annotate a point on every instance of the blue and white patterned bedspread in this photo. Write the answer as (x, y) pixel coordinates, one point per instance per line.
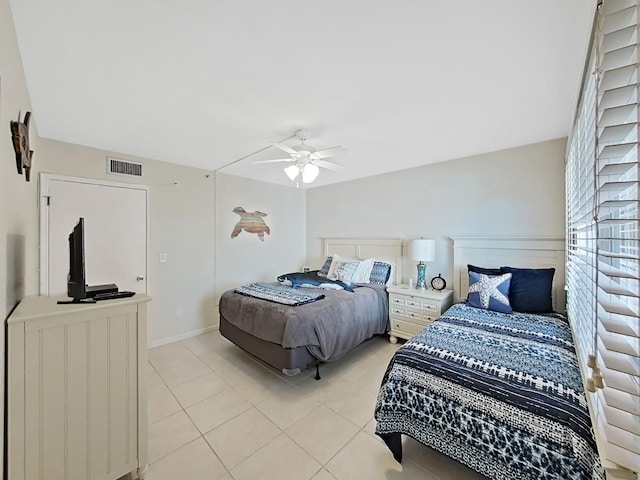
(501, 393)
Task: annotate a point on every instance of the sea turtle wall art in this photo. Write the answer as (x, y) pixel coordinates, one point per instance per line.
(250, 222)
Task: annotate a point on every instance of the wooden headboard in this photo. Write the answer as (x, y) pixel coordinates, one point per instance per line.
(519, 252)
(388, 250)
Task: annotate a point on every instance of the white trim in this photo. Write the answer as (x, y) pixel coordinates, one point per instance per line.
(44, 184)
(183, 336)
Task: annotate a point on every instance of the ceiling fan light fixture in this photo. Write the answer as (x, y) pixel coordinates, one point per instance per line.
(310, 173)
(303, 147)
(291, 171)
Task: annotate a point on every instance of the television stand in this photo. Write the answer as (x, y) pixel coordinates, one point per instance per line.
(76, 390)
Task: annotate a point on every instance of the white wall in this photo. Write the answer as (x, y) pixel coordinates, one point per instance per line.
(181, 218)
(518, 192)
(18, 229)
(245, 258)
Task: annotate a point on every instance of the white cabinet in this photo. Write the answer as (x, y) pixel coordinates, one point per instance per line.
(411, 309)
(77, 403)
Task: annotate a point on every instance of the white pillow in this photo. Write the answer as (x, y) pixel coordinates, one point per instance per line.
(363, 271)
(350, 270)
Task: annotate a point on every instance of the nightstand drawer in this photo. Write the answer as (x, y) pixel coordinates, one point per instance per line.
(431, 307)
(419, 315)
(407, 327)
(422, 304)
(407, 315)
(395, 300)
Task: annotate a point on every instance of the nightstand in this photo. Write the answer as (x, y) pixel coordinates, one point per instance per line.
(412, 309)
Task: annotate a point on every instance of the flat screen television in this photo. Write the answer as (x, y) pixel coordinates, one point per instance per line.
(77, 287)
(76, 279)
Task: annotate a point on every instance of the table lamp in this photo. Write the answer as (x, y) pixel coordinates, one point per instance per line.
(422, 250)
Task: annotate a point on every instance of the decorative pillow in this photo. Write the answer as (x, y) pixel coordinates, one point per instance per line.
(530, 290)
(490, 292)
(363, 271)
(345, 272)
(324, 270)
(380, 273)
(335, 261)
(486, 271)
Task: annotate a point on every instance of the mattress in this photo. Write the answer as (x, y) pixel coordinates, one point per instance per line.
(501, 393)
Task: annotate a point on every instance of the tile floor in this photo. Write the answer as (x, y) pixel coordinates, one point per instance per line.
(215, 412)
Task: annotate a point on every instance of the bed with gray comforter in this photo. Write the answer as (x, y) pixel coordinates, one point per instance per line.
(291, 338)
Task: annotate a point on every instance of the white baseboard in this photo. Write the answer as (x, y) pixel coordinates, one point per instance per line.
(183, 336)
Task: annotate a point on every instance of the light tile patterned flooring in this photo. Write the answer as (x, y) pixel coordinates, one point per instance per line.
(216, 412)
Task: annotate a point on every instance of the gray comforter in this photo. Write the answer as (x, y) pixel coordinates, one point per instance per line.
(329, 327)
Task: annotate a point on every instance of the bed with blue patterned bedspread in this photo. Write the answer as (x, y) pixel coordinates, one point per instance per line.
(501, 393)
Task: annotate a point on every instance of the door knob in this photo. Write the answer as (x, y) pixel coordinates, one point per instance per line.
(139, 278)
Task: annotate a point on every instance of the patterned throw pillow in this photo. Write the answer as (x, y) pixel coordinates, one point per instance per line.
(380, 273)
(490, 292)
(344, 271)
(324, 270)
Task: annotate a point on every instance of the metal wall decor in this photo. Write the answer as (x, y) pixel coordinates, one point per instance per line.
(20, 138)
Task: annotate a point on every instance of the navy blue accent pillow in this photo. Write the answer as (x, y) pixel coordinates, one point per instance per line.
(324, 269)
(490, 292)
(486, 271)
(380, 273)
(530, 290)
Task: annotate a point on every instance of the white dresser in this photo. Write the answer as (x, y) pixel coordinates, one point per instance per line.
(411, 309)
(77, 402)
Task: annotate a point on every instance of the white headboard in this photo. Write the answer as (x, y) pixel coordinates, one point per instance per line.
(519, 252)
(388, 250)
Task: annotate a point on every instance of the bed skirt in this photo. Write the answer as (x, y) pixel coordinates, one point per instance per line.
(290, 361)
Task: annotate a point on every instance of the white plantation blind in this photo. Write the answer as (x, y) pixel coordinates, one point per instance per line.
(603, 271)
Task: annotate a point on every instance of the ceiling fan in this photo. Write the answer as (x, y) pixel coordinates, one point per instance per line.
(306, 160)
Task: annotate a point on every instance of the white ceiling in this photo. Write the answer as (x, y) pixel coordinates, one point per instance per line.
(400, 84)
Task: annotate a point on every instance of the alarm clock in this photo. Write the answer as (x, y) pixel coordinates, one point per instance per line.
(438, 283)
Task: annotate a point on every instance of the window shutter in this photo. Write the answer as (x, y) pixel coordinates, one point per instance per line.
(602, 227)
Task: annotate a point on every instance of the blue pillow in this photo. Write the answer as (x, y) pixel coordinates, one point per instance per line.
(380, 273)
(324, 269)
(490, 292)
(531, 289)
(486, 271)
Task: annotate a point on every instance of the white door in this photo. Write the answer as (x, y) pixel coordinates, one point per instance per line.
(115, 232)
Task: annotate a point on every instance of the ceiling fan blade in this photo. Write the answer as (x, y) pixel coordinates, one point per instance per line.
(276, 160)
(328, 165)
(284, 147)
(329, 152)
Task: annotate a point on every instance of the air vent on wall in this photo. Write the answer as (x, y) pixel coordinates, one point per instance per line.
(124, 167)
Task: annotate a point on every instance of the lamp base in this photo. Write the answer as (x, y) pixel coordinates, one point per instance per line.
(421, 282)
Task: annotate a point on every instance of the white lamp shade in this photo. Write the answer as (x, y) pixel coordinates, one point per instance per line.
(422, 250)
(309, 173)
(291, 171)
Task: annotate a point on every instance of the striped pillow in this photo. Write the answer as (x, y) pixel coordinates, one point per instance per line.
(380, 273)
